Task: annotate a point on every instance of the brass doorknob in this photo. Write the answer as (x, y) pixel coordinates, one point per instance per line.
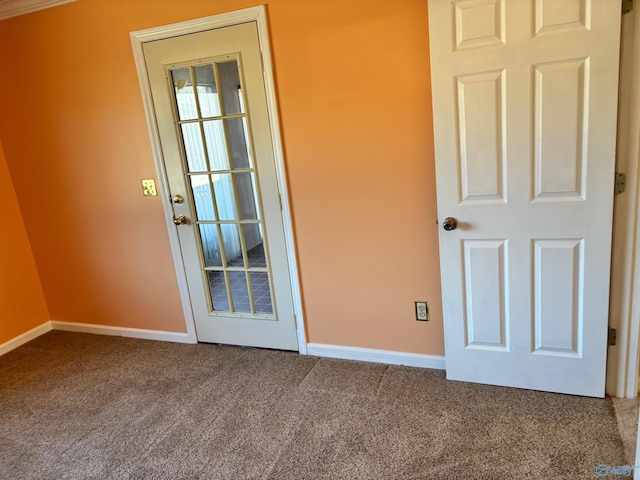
(449, 223)
(181, 220)
(178, 199)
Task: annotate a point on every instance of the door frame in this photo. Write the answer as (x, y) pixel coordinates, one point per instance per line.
(623, 358)
(138, 38)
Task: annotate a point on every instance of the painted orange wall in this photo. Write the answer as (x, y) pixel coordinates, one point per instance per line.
(355, 106)
(22, 304)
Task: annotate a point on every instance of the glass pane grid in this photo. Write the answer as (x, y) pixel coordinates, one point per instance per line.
(250, 295)
(261, 292)
(214, 139)
(197, 119)
(229, 78)
(201, 191)
(218, 290)
(207, 91)
(235, 222)
(236, 269)
(212, 118)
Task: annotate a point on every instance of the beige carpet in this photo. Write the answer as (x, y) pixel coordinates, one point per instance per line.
(627, 416)
(76, 406)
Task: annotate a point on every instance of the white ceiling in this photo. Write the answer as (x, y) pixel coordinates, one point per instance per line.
(13, 8)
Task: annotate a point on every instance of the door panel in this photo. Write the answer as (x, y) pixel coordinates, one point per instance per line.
(212, 117)
(481, 119)
(484, 280)
(559, 157)
(558, 296)
(524, 101)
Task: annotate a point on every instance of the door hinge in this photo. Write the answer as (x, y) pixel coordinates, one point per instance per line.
(295, 321)
(621, 180)
(627, 6)
(613, 337)
(280, 201)
(261, 61)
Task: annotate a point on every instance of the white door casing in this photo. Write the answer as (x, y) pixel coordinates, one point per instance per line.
(276, 178)
(622, 361)
(524, 101)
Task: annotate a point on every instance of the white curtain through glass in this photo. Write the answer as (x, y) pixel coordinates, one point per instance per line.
(222, 183)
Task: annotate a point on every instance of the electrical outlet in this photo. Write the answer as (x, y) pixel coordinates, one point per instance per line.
(149, 187)
(422, 311)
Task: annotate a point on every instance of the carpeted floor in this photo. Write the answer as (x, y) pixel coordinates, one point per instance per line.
(77, 406)
(627, 416)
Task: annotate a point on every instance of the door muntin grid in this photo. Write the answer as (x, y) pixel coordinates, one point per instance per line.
(212, 120)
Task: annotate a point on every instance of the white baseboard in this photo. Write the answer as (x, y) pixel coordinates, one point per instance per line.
(376, 356)
(317, 349)
(25, 337)
(95, 329)
(122, 332)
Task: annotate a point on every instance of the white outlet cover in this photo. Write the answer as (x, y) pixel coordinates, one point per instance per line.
(422, 311)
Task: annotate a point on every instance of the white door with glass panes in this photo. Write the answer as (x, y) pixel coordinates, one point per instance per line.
(524, 101)
(211, 111)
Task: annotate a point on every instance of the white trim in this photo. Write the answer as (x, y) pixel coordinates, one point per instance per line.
(159, 335)
(138, 38)
(274, 121)
(163, 184)
(622, 366)
(197, 25)
(634, 217)
(14, 8)
(20, 340)
(376, 356)
(317, 349)
(121, 332)
(637, 459)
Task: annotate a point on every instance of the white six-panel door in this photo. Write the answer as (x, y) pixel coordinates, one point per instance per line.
(524, 101)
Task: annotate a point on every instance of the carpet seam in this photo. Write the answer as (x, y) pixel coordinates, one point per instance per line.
(310, 370)
(386, 368)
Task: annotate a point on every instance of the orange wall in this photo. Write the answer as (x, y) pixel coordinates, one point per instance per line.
(22, 304)
(355, 105)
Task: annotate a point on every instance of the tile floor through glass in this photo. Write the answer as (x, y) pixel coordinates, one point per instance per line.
(239, 291)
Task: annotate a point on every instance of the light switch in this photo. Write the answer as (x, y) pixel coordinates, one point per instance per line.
(149, 187)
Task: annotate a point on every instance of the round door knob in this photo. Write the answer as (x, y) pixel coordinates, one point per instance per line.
(181, 220)
(449, 224)
(178, 199)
